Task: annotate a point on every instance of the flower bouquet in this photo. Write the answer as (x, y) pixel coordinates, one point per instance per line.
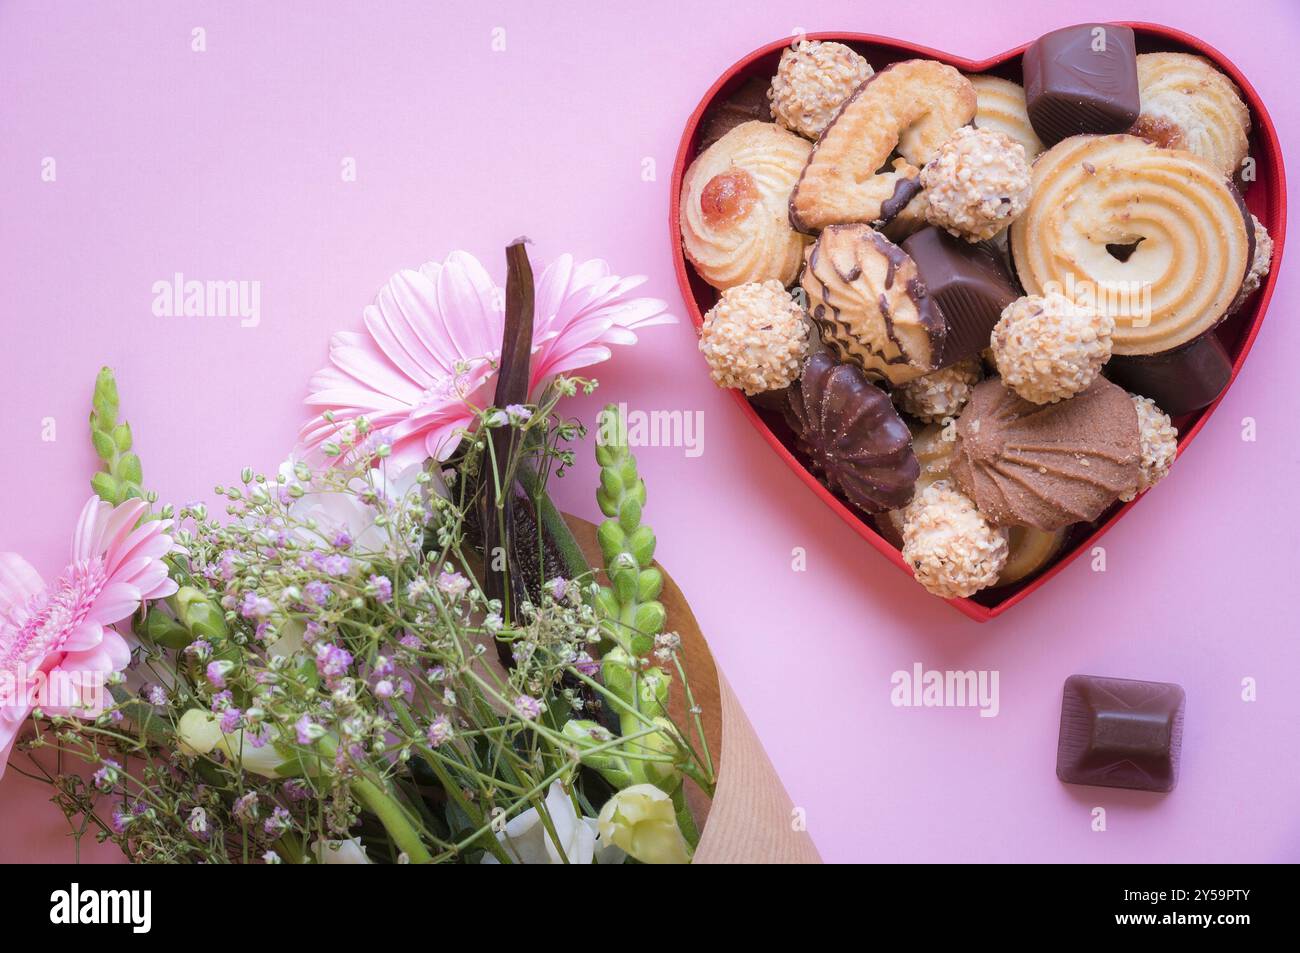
(395, 649)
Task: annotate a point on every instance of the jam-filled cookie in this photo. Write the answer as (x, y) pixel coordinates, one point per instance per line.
(735, 195)
(1188, 104)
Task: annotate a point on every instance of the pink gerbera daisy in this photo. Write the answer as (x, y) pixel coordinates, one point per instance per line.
(432, 345)
(61, 633)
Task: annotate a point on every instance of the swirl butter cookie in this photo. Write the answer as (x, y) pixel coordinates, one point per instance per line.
(871, 306)
(1001, 108)
(1155, 237)
(910, 107)
(734, 219)
(1188, 104)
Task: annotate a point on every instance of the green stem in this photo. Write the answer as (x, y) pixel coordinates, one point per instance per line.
(394, 819)
(553, 522)
(684, 818)
(453, 789)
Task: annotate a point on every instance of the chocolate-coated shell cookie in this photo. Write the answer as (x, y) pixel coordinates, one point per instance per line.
(1046, 465)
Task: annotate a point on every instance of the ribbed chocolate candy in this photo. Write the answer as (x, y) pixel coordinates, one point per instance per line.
(1120, 733)
(968, 282)
(852, 434)
(1179, 381)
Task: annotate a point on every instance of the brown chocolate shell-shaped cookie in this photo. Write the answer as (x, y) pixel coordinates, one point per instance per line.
(850, 430)
(1051, 465)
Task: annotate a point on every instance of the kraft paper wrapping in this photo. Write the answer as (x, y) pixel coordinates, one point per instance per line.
(751, 817)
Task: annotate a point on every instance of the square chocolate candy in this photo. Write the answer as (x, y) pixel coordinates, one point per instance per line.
(1120, 733)
(970, 284)
(1081, 78)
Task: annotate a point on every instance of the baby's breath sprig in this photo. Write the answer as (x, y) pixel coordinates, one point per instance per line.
(324, 671)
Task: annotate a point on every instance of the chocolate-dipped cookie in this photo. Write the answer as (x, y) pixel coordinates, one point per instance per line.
(872, 308)
(850, 431)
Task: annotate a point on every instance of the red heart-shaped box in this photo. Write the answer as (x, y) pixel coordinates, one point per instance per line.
(1266, 197)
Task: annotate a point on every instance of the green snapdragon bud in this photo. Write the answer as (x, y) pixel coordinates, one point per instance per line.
(652, 692)
(161, 629)
(107, 487)
(641, 544)
(612, 539)
(662, 774)
(200, 615)
(105, 402)
(122, 477)
(649, 583)
(616, 672)
(650, 618)
(652, 685)
(587, 735)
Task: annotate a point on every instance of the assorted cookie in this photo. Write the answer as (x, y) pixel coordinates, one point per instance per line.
(1159, 234)
(865, 295)
(735, 224)
(1047, 465)
(853, 435)
(1000, 107)
(907, 111)
(1188, 104)
(979, 306)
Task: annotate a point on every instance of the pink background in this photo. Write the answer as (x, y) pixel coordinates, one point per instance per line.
(226, 165)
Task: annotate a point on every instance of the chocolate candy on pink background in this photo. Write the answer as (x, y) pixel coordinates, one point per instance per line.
(1120, 733)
